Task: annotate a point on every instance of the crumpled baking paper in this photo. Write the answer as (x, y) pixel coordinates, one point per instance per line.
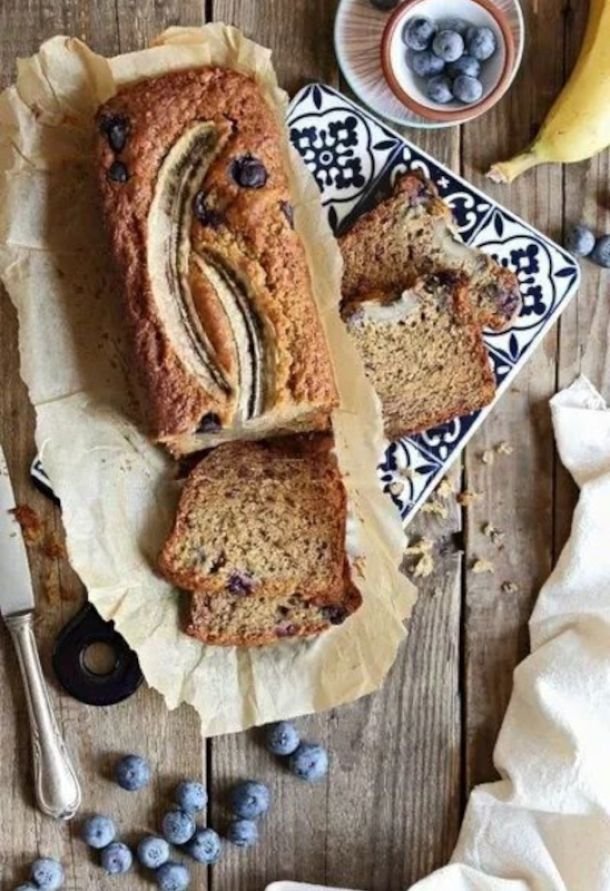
(545, 826)
(118, 492)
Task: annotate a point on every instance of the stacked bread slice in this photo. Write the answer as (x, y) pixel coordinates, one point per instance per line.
(415, 300)
(260, 539)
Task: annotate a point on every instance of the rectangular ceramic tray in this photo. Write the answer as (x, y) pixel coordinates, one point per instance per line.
(355, 160)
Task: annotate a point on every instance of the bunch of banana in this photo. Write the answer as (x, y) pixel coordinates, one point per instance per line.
(578, 124)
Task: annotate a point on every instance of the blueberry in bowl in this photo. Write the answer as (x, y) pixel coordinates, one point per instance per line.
(448, 63)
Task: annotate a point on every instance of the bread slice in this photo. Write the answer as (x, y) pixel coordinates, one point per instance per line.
(223, 620)
(412, 233)
(260, 538)
(423, 352)
(194, 186)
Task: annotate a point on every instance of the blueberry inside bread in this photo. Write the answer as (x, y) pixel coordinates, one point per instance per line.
(227, 337)
(259, 539)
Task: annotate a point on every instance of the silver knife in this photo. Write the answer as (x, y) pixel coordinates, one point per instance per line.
(56, 786)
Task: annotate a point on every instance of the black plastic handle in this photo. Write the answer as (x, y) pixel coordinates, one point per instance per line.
(85, 629)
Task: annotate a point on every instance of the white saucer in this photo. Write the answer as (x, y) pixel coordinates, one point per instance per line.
(358, 30)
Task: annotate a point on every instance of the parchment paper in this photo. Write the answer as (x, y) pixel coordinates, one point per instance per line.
(118, 491)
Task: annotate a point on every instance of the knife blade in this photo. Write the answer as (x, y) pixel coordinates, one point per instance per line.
(56, 785)
(16, 593)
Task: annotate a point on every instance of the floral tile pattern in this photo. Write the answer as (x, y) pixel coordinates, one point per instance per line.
(355, 160)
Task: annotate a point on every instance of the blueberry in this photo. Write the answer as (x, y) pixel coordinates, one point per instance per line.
(47, 874)
(250, 799)
(439, 89)
(580, 240)
(309, 762)
(209, 423)
(481, 43)
(448, 45)
(117, 172)
(178, 827)
(336, 615)
(418, 32)
(385, 5)
(282, 738)
(204, 846)
(424, 63)
(173, 876)
(467, 89)
(454, 24)
(249, 172)
(191, 796)
(132, 772)
(98, 831)
(242, 833)
(115, 129)
(152, 851)
(239, 583)
(601, 251)
(116, 859)
(467, 65)
(206, 215)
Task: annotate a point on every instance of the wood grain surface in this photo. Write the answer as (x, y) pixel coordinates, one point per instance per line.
(403, 759)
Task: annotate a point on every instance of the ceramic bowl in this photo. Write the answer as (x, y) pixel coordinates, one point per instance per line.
(410, 89)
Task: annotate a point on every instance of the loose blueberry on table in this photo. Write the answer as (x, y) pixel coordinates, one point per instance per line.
(580, 240)
(116, 859)
(250, 799)
(132, 773)
(173, 876)
(601, 251)
(242, 833)
(191, 796)
(98, 831)
(309, 762)
(282, 738)
(47, 874)
(205, 846)
(178, 827)
(152, 851)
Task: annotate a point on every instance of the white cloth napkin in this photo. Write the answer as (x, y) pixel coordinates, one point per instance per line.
(545, 826)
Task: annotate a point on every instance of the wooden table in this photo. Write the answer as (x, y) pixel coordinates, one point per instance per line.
(405, 758)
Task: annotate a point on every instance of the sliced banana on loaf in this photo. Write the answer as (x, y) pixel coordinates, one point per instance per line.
(227, 336)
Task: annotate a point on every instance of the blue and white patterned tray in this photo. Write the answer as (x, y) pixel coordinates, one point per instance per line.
(355, 160)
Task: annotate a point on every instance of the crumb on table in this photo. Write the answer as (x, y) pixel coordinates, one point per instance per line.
(482, 565)
(504, 448)
(487, 457)
(424, 562)
(509, 587)
(444, 489)
(468, 497)
(434, 506)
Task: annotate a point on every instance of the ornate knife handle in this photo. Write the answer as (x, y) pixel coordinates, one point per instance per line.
(57, 790)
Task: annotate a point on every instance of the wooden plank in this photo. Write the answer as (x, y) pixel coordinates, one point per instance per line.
(585, 326)
(95, 736)
(517, 490)
(390, 810)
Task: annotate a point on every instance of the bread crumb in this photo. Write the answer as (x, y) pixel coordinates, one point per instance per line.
(509, 587)
(396, 487)
(425, 563)
(482, 565)
(444, 489)
(435, 507)
(468, 497)
(409, 473)
(496, 535)
(504, 448)
(487, 457)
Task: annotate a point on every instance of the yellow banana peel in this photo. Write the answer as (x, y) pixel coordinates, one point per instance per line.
(578, 124)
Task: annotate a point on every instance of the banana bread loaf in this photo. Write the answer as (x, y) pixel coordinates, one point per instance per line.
(195, 196)
(423, 352)
(260, 538)
(412, 233)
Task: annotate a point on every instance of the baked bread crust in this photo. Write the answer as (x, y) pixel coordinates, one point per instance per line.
(246, 280)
